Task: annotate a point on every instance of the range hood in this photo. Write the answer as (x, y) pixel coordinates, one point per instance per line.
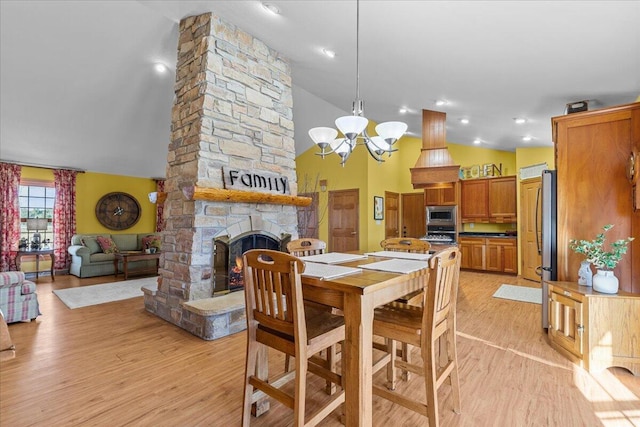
(435, 165)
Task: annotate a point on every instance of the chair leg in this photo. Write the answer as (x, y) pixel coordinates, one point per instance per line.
(287, 363)
(455, 380)
(391, 366)
(300, 391)
(406, 357)
(332, 363)
(430, 378)
(249, 371)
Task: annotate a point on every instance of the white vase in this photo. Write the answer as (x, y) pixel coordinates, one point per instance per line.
(604, 281)
(584, 274)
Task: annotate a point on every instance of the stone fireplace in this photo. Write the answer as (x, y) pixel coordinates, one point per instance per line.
(232, 112)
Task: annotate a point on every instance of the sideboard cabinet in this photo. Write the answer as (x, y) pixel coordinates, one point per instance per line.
(594, 187)
(594, 330)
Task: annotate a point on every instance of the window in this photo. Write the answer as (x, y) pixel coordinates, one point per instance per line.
(36, 201)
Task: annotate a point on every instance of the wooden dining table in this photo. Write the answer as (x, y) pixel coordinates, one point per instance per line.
(357, 295)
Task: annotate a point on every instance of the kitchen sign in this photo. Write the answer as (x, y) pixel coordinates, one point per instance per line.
(262, 182)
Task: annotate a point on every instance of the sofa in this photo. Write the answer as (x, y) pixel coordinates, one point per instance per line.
(90, 259)
(18, 298)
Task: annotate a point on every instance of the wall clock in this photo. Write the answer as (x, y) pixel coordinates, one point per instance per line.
(118, 211)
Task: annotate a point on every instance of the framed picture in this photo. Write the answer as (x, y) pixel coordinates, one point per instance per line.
(378, 208)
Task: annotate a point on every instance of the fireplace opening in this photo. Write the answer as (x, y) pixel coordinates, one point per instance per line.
(227, 258)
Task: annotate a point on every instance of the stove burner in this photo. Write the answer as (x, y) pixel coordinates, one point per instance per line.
(441, 238)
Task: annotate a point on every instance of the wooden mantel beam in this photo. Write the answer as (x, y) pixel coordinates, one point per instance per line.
(238, 196)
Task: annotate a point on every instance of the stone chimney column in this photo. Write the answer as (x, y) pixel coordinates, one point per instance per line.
(233, 108)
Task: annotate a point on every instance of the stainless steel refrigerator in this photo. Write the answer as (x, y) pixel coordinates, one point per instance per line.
(548, 213)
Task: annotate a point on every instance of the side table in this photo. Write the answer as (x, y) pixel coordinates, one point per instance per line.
(37, 254)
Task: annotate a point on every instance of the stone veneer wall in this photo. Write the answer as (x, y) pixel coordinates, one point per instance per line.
(233, 109)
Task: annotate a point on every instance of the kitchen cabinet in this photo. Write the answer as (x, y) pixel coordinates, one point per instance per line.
(498, 255)
(474, 199)
(489, 200)
(594, 330)
(473, 252)
(502, 255)
(593, 151)
(442, 195)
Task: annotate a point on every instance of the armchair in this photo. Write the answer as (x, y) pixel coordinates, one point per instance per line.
(18, 298)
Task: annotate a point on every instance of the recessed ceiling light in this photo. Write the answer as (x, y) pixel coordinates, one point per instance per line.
(403, 110)
(271, 8)
(519, 120)
(329, 53)
(441, 102)
(477, 141)
(160, 68)
(464, 121)
(527, 138)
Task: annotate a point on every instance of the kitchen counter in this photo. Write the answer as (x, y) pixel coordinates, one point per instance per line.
(488, 235)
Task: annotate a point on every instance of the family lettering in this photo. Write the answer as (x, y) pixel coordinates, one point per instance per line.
(242, 180)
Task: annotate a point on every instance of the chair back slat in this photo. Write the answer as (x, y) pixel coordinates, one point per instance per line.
(273, 288)
(442, 290)
(306, 247)
(405, 244)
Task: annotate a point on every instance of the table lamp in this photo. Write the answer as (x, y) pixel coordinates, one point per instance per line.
(36, 224)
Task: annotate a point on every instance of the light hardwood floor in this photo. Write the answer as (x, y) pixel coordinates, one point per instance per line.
(115, 364)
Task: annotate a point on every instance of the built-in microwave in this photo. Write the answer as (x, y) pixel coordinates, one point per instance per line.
(441, 215)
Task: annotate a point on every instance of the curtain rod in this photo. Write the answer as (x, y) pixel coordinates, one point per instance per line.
(35, 165)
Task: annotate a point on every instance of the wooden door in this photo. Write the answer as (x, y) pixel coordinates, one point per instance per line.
(414, 221)
(530, 227)
(566, 323)
(343, 220)
(391, 215)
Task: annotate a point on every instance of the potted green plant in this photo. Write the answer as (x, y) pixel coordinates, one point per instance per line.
(605, 261)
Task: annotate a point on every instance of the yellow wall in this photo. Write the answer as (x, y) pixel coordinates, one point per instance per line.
(90, 187)
(393, 175)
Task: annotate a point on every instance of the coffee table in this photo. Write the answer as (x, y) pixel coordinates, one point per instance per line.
(127, 257)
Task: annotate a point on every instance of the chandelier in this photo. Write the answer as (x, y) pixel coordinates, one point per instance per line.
(354, 127)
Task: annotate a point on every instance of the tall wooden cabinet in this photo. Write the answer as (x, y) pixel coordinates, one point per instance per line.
(593, 151)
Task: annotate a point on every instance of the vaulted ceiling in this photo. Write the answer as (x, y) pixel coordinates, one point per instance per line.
(78, 88)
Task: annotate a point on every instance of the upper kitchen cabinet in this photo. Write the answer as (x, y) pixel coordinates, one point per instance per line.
(441, 195)
(489, 200)
(595, 187)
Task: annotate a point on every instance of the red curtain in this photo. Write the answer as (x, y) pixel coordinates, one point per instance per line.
(9, 215)
(64, 216)
(160, 207)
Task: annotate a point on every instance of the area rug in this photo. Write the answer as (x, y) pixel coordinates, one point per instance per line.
(84, 296)
(519, 293)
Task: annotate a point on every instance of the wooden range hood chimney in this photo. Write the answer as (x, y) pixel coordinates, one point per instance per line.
(435, 165)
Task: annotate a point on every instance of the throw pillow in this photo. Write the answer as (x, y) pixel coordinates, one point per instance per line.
(92, 244)
(107, 244)
(151, 242)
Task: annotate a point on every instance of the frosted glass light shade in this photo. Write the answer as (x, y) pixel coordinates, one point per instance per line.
(351, 126)
(378, 145)
(323, 135)
(391, 131)
(341, 146)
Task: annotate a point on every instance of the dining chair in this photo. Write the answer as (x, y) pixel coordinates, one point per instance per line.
(407, 244)
(306, 247)
(432, 328)
(277, 318)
